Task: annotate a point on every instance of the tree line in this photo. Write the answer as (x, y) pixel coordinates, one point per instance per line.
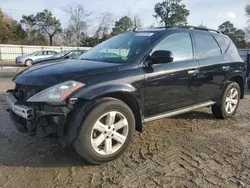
(43, 28)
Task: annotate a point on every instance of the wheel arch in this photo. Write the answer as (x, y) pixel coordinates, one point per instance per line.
(28, 59)
(76, 117)
(131, 101)
(124, 92)
(239, 79)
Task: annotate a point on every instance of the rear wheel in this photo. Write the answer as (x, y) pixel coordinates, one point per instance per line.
(28, 62)
(106, 132)
(229, 102)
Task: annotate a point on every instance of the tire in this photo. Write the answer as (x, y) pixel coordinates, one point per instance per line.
(28, 62)
(221, 110)
(101, 111)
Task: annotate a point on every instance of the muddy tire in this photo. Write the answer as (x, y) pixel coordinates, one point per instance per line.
(229, 102)
(106, 132)
(28, 62)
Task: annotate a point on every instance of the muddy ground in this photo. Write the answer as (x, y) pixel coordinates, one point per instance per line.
(191, 150)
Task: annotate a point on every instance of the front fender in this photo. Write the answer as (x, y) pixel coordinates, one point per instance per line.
(97, 90)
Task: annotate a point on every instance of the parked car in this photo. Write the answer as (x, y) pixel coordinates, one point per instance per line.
(97, 101)
(69, 54)
(29, 58)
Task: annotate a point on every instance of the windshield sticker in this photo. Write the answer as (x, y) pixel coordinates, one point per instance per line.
(144, 34)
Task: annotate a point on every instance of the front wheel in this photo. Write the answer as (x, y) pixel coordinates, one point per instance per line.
(229, 102)
(28, 62)
(106, 132)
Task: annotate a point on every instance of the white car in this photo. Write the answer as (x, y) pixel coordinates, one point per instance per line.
(29, 58)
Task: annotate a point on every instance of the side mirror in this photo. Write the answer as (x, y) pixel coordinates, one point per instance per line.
(161, 56)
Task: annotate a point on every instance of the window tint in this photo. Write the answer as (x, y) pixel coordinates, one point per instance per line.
(39, 53)
(206, 46)
(50, 53)
(179, 44)
(223, 42)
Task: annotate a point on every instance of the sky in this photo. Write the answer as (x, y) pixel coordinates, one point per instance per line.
(207, 12)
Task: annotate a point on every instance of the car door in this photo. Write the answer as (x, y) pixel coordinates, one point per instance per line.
(47, 54)
(213, 66)
(38, 55)
(170, 86)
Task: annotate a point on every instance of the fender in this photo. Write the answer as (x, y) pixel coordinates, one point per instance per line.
(236, 73)
(97, 90)
(237, 76)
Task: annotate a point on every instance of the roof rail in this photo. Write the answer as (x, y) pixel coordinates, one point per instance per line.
(191, 27)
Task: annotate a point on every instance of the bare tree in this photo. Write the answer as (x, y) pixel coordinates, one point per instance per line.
(247, 28)
(137, 22)
(78, 21)
(104, 26)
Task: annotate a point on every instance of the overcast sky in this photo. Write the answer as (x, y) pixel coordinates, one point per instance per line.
(209, 12)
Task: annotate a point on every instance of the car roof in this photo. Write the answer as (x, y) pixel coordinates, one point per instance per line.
(183, 28)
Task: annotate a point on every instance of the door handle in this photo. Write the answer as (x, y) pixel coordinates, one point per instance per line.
(193, 72)
(225, 68)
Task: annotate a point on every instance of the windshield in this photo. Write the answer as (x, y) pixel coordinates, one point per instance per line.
(122, 48)
(34, 53)
(61, 54)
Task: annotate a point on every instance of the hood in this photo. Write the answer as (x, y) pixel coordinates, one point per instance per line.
(49, 74)
(46, 59)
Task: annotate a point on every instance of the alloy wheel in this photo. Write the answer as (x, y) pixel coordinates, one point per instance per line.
(109, 133)
(231, 100)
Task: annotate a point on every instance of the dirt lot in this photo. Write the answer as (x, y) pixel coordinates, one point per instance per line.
(191, 150)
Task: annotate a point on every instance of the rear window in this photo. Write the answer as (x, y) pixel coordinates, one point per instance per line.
(206, 46)
(224, 42)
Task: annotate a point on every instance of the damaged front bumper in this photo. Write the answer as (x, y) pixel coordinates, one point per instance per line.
(39, 119)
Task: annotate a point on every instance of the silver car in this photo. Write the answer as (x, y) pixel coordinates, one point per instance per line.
(29, 58)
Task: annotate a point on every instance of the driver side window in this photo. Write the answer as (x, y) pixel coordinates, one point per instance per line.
(39, 53)
(179, 44)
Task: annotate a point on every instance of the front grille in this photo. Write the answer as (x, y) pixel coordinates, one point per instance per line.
(24, 92)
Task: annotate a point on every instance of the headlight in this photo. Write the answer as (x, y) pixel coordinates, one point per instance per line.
(56, 93)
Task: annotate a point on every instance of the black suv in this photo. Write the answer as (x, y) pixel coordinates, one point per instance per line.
(97, 102)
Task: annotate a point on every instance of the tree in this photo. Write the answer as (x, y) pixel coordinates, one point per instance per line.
(202, 26)
(89, 42)
(247, 29)
(16, 31)
(105, 22)
(78, 22)
(123, 25)
(236, 35)
(137, 22)
(247, 9)
(11, 32)
(171, 12)
(45, 22)
(5, 34)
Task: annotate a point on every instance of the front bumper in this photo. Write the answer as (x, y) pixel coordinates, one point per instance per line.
(41, 119)
(19, 62)
(20, 110)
